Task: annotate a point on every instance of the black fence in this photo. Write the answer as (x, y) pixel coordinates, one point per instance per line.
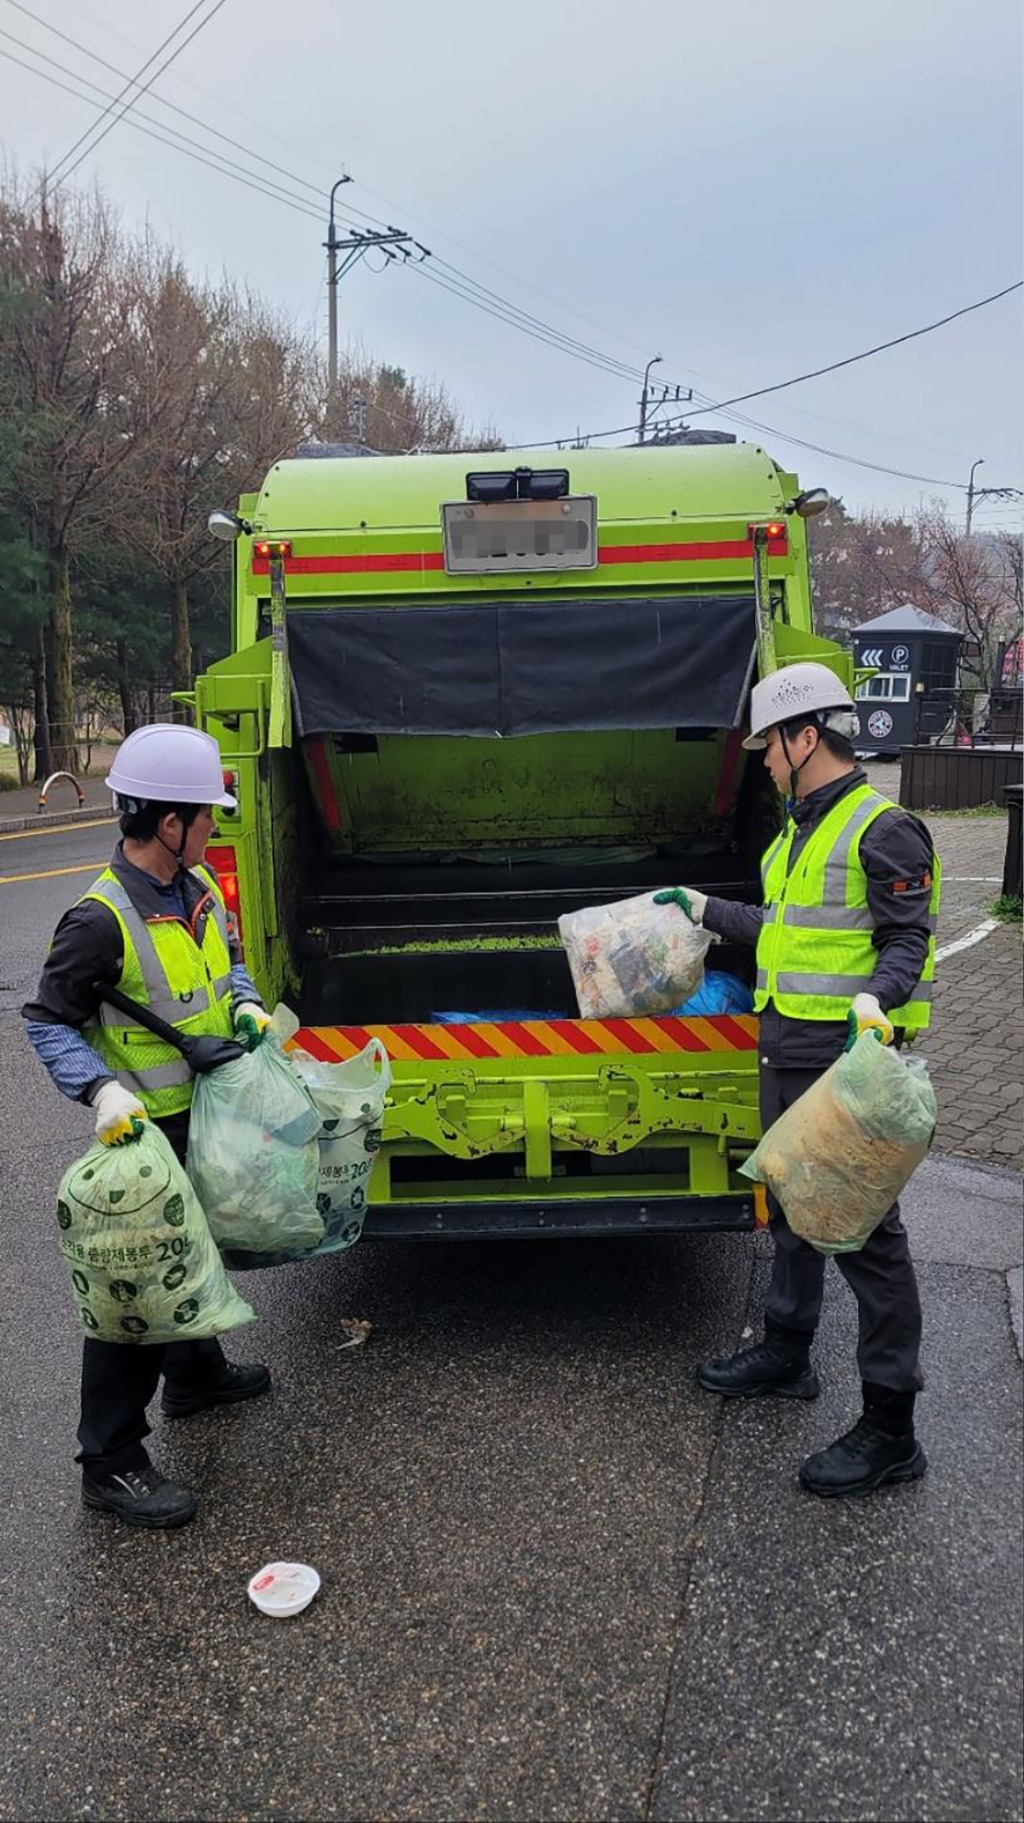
(970, 718)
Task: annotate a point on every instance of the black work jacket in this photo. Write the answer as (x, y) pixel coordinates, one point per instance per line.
(897, 856)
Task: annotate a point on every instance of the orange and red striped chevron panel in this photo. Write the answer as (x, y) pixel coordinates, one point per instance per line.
(535, 1038)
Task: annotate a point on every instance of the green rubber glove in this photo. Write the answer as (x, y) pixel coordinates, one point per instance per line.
(251, 1022)
(688, 900)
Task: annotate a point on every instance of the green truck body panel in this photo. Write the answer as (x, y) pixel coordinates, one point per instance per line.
(384, 880)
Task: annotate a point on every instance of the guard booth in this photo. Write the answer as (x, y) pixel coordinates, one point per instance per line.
(915, 657)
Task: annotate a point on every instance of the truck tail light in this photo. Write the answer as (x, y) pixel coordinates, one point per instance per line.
(272, 547)
(223, 860)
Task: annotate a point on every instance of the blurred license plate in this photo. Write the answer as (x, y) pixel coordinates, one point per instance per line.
(520, 535)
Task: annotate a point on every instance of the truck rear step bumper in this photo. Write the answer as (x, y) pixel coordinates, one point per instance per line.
(563, 1217)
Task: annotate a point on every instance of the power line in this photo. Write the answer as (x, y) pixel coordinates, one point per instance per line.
(724, 404)
(554, 340)
(462, 286)
(214, 162)
(161, 100)
(815, 373)
(56, 176)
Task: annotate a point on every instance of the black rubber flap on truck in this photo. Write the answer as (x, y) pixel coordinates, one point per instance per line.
(538, 667)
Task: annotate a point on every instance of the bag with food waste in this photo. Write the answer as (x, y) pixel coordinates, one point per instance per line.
(840, 1156)
(143, 1264)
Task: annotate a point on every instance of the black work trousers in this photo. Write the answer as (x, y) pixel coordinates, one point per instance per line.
(119, 1379)
(880, 1274)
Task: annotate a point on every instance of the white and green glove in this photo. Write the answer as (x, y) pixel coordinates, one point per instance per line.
(250, 1022)
(865, 1015)
(119, 1114)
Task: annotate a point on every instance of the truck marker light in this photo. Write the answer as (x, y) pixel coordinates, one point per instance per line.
(224, 861)
(272, 547)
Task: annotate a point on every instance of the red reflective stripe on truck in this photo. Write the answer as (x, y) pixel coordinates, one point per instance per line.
(339, 565)
(710, 551)
(365, 562)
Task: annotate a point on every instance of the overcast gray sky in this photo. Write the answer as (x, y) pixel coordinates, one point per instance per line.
(749, 191)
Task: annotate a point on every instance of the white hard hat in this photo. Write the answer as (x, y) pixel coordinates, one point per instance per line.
(804, 689)
(167, 763)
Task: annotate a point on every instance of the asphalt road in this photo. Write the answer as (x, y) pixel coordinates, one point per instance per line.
(558, 1582)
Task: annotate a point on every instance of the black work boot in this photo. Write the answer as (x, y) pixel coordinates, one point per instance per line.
(781, 1369)
(228, 1387)
(140, 1497)
(881, 1447)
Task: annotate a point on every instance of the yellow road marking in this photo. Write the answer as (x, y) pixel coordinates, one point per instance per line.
(55, 829)
(51, 873)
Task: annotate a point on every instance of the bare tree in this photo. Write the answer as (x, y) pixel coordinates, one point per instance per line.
(227, 380)
(974, 583)
(66, 327)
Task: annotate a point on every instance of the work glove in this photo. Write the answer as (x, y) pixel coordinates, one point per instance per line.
(865, 1015)
(119, 1114)
(688, 899)
(250, 1022)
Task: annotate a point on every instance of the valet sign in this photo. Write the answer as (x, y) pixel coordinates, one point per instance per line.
(886, 658)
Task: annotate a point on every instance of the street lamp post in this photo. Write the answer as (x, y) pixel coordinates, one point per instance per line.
(653, 362)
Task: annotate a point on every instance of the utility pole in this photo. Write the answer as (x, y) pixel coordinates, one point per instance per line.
(985, 493)
(970, 494)
(653, 362)
(353, 245)
(332, 303)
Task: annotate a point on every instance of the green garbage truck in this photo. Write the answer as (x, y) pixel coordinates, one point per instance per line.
(467, 694)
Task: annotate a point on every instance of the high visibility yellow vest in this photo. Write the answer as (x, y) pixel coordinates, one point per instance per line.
(167, 971)
(815, 953)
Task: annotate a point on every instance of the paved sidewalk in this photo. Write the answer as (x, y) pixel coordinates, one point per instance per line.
(975, 1046)
(19, 809)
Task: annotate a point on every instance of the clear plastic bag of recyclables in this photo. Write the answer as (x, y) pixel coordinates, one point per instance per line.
(350, 1097)
(252, 1151)
(632, 957)
(839, 1157)
(143, 1263)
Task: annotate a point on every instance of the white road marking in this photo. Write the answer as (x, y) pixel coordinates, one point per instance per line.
(974, 936)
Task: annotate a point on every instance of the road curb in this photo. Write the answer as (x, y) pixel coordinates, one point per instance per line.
(48, 819)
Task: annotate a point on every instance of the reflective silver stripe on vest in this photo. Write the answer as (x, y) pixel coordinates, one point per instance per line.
(826, 917)
(846, 917)
(768, 859)
(161, 1001)
(834, 881)
(834, 987)
(165, 1076)
(771, 912)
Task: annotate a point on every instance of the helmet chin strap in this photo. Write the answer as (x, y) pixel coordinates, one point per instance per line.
(794, 770)
(178, 854)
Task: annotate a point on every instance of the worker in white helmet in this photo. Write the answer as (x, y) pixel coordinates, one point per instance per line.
(126, 933)
(845, 941)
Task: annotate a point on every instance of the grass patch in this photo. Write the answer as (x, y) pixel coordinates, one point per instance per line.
(978, 810)
(1008, 908)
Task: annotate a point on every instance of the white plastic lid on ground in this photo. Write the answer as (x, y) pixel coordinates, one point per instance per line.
(281, 1589)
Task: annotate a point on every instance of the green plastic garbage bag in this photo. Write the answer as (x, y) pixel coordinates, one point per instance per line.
(143, 1264)
(252, 1150)
(839, 1157)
